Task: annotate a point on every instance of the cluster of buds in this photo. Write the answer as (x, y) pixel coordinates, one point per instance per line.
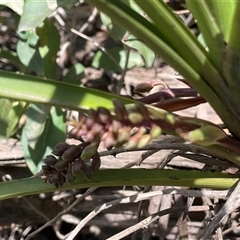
(68, 161)
(129, 125)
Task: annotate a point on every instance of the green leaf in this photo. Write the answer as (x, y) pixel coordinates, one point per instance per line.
(43, 130)
(5, 108)
(34, 13)
(52, 4)
(17, 110)
(210, 30)
(136, 7)
(234, 29)
(145, 51)
(10, 113)
(231, 61)
(49, 44)
(74, 74)
(117, 33)
(202, 41)
(36, 119)
(28, 53)
(124, 177)
(49, 92)
(114, 30)
(223, 13)
(205, 136)
(16, 6)
(101, 60)
(135, 43)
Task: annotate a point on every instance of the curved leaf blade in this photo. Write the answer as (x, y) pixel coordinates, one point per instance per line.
(50, 92)
(210, 29)
(28, 52)
(49, 45)
(44, 128)
(33, 14)
(5, 108)
(126, 177)
(16, 6)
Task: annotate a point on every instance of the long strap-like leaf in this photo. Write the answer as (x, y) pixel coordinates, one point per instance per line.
(120, 177)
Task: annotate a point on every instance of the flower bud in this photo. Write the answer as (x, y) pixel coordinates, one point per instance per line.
(104, 115)
(95, 133)
(60, 165)
(81, 118)
(147, 86)
(120, 109)
(155, 131)
(69, 176)
(77, 167)
(60, 148)
(61, 180)
(50, 160)
(90, 136)
(97, 128)
(46, 168)
(54, 177)
(74, 131)
(144, 140)
(135, 117)
(89, 122)
(96, 162)
(140, 108)
(71, 153)
(89, 151)
(93, 114)
(87, 172)
(143, 87)
(134, 140)
(109, 140)
(123, 135)
(115, 126)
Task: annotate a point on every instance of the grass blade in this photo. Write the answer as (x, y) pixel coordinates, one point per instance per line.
(210, 29)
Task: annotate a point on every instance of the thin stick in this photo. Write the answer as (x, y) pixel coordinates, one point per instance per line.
(124, 71)
(143, 224)
(147, 221)
(39, 212)
(230, 205)
(136, 198)
(90, 20)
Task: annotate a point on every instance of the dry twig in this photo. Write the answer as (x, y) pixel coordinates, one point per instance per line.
(136, 198)
(230, 206)
(49, 223)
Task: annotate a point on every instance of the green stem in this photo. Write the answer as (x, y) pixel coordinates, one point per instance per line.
(123, 177)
